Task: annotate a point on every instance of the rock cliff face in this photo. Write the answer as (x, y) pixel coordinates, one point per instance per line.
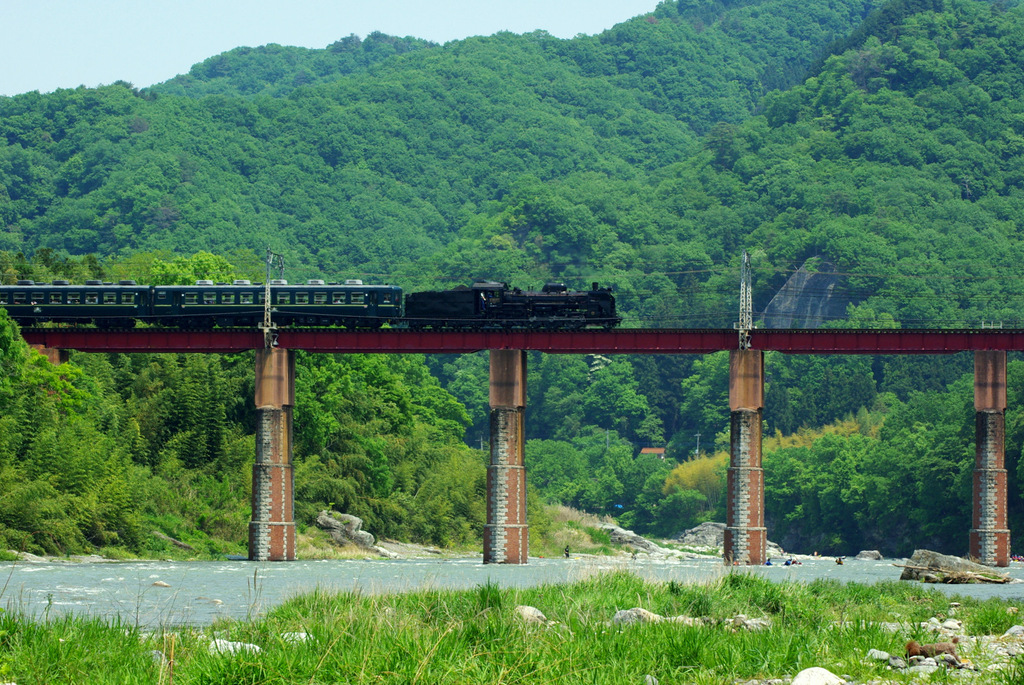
(811, 296)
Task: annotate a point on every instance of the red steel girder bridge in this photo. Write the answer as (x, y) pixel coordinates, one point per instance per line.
(620, 341)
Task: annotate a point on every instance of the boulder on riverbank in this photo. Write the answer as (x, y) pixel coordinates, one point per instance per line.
(932, 567)
(346, 529)
(710, 536)
(627, 538)
(706, 536)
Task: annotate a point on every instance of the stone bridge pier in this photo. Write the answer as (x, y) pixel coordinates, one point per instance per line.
(746, 539)
(272, 528)
(506, 538)
(990, 538)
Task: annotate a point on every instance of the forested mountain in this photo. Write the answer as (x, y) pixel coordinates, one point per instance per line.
(883, 139)
(278, 69)
(378, 168)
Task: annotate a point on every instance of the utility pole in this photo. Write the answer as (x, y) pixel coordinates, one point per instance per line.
(268, 327)
(746, 322)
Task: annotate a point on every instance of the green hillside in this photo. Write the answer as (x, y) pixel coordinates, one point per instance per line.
(385, 160)
(882, 143)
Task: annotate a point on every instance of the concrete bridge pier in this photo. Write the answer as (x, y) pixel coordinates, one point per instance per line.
(746, 539)
(272, 528)
(506, 537)
(990, 538)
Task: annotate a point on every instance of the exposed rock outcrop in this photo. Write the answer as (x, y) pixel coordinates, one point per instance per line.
(346, 529)
(710, 536)
(707, 535)
(621, 536)
(932, 567)
(809, 298)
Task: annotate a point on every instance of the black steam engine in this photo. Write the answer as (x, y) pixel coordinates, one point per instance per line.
(489, 304)
(484, 305)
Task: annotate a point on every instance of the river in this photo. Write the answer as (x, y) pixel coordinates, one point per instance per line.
(163, 593)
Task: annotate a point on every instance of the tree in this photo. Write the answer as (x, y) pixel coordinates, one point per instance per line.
(188, 270)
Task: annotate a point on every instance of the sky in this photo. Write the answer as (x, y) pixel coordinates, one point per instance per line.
(50, 44)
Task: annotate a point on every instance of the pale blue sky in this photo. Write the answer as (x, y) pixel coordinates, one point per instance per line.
(50, 44)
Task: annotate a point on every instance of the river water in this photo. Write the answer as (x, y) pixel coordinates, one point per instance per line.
(165, 593)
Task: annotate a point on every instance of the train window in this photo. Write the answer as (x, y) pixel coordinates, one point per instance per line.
(209, 298)
(227, 298)
(357, 298)
(262, 298)
(283, 298)
(92, 298)
(191, 298)
(385, 298)
(109, 298)
(245, 298)
(319, 298)
(54, 298)
(3, 298)
(19, 298)
(127, 298)
(38, 297)
(74, 298)
(337, 298)
(301, 298)
(161, 295)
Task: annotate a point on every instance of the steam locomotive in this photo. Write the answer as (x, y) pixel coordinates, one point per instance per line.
(490, 304)
(352, 304)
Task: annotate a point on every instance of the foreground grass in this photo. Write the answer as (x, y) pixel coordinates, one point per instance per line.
(475, 636)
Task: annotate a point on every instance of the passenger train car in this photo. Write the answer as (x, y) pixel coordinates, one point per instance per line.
(106, 304)
(353, 304)
(203, 305)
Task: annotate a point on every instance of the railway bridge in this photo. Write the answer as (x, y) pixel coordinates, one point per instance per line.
(272, 526)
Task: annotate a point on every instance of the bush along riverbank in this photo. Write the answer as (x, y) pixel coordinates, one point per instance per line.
(610, 628)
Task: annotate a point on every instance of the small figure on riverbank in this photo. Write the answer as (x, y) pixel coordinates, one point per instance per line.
(768, 563)
(567, 551)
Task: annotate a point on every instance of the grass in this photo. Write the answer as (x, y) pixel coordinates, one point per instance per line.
(564, 527)
(475, 636)
(577, 530)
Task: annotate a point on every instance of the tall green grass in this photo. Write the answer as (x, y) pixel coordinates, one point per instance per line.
(475, 636)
